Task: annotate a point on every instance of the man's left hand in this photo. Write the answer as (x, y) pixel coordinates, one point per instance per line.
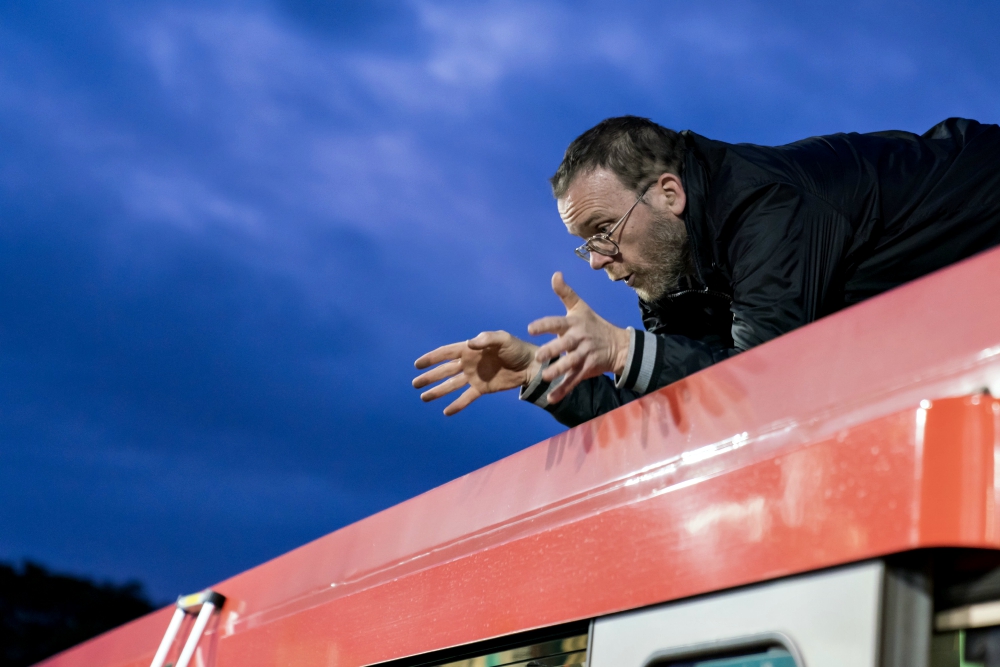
(592, 345)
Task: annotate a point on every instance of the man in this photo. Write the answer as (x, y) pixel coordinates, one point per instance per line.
(727, 247)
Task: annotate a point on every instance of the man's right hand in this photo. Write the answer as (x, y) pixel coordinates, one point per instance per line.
(492, 361)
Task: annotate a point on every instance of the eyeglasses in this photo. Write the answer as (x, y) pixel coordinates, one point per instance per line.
(602, 243)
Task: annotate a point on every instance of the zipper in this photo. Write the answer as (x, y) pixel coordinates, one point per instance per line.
(707, 291)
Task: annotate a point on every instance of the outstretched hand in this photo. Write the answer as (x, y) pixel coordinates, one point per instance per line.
(492, 361)
(592, 345)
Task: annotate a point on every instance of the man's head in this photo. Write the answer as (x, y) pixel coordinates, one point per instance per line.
(603, 172)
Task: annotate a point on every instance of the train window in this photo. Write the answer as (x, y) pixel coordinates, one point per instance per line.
(555, 646)
(772, 657)
(568, 652)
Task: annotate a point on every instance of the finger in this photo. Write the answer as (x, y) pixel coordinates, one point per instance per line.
(569, 363)
(443, 353)
(554, 324)
(488, 339)
(439, 373)
(565, 387)
(554, 348)
(445, 387)
(462, 402)
(564, 291)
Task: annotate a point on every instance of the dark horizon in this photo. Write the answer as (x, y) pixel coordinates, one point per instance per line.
(44, 612)
(227, 230)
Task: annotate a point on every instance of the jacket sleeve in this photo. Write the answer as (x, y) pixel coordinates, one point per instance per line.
(653, 361)
(783, 249)
(590, 398)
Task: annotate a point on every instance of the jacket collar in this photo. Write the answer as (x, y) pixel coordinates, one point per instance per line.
(701, 156)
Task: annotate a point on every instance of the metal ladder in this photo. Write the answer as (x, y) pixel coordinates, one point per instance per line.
(204, 604)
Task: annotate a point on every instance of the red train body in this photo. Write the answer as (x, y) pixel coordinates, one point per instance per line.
(869, 434)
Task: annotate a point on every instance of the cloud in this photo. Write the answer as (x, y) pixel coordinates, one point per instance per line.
(330, 167)
(185, 202)
(476, 46)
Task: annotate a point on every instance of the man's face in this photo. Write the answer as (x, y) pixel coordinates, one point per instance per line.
(652, 241)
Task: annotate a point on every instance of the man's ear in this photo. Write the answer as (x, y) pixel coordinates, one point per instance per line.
(673, 191)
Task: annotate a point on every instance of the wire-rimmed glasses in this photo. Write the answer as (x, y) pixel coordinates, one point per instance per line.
(602, 243)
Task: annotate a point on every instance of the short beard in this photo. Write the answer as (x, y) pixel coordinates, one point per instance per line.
(666, 258)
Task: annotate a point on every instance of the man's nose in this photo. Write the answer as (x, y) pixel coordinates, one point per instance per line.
(599, 261)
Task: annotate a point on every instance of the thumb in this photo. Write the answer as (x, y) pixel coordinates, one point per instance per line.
(564, 291)
(486, 339)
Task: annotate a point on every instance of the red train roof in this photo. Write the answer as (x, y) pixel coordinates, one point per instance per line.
(864, 434)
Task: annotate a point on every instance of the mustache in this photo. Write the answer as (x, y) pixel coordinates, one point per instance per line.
(620, 270)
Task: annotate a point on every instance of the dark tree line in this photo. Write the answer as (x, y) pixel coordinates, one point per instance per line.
(42, 613)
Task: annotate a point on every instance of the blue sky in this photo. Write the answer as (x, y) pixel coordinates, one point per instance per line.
(228, 229)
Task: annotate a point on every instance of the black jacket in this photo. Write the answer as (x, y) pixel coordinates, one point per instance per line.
(782, 236)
